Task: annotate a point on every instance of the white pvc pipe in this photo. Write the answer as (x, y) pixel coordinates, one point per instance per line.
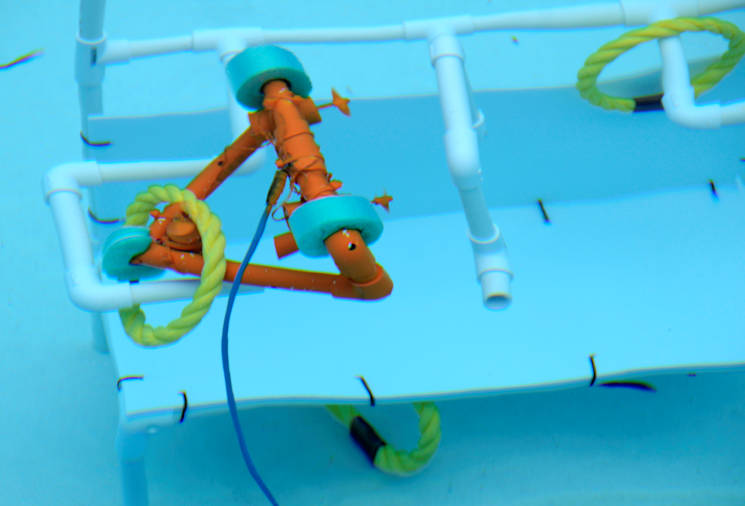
(83, 285)
(90, 42)
(62, 191)
(641, 12)
(211, 39)
(238, 119)
(628, 12)
(123, 50)
(227, 49)
(462, 152)
(733, 114)
(90, 23)
(582, 16)
(73, 175)
(138, 171)
(351, 34)
(477, 115)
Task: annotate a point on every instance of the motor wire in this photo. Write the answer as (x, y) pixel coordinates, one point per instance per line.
(226, 362)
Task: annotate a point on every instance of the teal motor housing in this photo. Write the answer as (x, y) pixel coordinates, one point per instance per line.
(314, 221)
(252, 68)
(120, 247)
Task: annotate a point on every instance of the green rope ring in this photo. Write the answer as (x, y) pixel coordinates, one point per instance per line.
(401, 462)
(588, 75)
(213, 272)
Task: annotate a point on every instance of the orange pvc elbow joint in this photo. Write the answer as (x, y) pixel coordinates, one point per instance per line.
(356, 262)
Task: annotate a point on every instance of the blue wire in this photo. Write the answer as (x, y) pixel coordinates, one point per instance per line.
(226, 364)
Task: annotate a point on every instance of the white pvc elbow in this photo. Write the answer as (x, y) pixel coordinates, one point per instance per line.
(679, 96)
(70, 177)
(87, 292)
(680, 107)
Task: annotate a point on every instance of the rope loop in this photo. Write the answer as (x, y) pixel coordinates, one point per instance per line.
(213, 271)
(402, 462)
(588, 75)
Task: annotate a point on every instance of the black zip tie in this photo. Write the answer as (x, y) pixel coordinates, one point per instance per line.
(366, 438)
(648, 103)
(94, 144)
(101, 221)
(22, 59)
(126, 378)
(636, 385)
(183, 410)
(594, 370)
(546, 219)
(713, 189)
(369, 392)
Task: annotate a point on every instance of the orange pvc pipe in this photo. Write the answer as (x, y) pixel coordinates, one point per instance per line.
(301, 156)
(351, 255)
(260, 275)
(284, 244)
(296, 148)
(207, 181)
(231, 158)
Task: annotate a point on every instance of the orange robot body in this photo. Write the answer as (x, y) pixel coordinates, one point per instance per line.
(284, 121)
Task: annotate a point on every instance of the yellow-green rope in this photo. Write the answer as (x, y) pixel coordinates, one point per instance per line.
(588, 75)
(213, 272)
(402, 462)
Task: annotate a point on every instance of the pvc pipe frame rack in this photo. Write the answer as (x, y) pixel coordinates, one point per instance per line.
(461, 118)
(63, 191)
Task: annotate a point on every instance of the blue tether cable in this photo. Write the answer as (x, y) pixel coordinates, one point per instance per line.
(226, 364)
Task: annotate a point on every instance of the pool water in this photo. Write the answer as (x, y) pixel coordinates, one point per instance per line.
(680, 444)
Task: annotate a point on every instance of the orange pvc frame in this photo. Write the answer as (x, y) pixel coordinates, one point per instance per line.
(284, 121)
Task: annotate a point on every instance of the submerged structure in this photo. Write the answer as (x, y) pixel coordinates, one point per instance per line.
(551, 266)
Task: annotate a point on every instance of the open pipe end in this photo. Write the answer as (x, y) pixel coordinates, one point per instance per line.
(495, 288)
